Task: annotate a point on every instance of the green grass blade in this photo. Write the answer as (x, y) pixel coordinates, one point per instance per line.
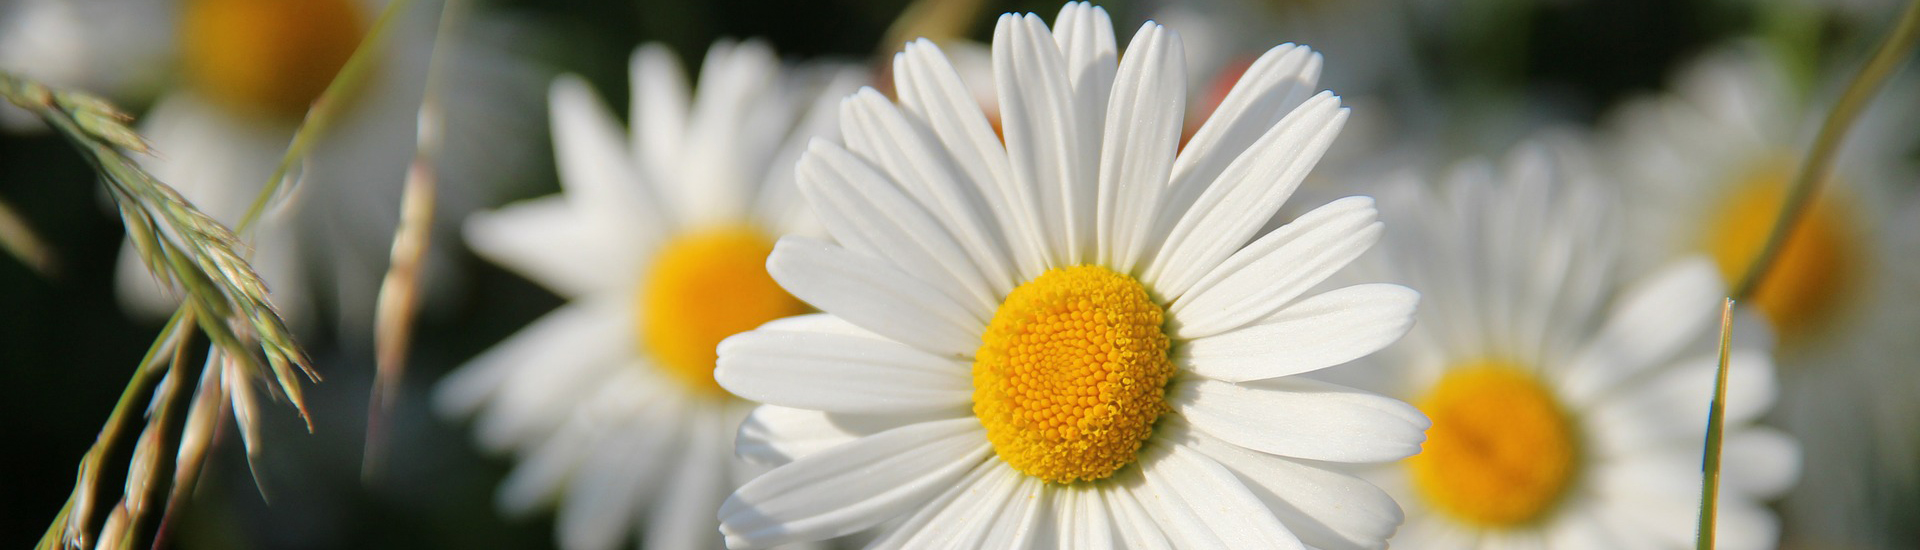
(1716, 416)
(325, 109)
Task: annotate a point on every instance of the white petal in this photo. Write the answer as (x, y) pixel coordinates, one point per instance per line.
(682, 518)
(1180, 524)
(1302, 418)
(1084, 34)
(778, 205)
(1650, 322)
(1327, 509)
(854, 486)
(1137, 527)
(1760, 462)
(605, 495)
(537, 479)
(1671, 404)
(722, 160)
(1667, 514)
(824, 323)
(544, 386)
(1276, 268)
(1143, 125)
(1020, 516)
(1270, 88)
(659, 113)
(874, 295)
(599, 178)
(1184, 483)
(1583, 526)
(560, 336)
(1745, 525)
(960, 517)
(1234, 206)
(1321, 331)
(1043, 135)
(774, 435)
(929, 87)
(1437, 532)
(1083, 521)
(863, 209)
(839, 373)
(911, 157)
(549, 242)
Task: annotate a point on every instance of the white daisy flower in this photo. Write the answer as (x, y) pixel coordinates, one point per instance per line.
(1568, 407)
(1076, 338)
(248, 72)
(1709, 167)
(659, 243)
(118, 49)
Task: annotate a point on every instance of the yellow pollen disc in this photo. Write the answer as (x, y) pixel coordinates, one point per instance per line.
(1500, 452)
(1072, 373)
(703, 287)
(1813, 269)
(269, 56)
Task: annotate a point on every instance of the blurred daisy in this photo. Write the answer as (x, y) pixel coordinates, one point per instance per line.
(1709, 167)
(118, 49)
(1568, 407)
(249, 70)
(1077, 339)
(659, 243)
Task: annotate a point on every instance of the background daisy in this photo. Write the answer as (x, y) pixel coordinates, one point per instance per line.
(1568, 404)
(1075, 340)
(249, 70)
(1708, 167)
(658, 242)
(118, 49)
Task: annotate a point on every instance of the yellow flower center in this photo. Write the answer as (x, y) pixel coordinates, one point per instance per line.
(703, 287)
(1500, 452)
(269, 56)
(1072, 373)
(1813, 268)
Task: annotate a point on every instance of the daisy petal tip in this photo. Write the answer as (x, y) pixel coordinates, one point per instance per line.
(568, 84)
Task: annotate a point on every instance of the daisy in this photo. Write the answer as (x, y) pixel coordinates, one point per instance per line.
(115, 48)
(1709, 166)
(1568, 405)
(659, 243)
(248, 71)
(1076, 338)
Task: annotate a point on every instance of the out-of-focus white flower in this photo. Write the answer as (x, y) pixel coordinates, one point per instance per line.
(659, 241)
(1708, 167)
(1076, 337)
(248, 71)
(1568, 405)
(118, 49)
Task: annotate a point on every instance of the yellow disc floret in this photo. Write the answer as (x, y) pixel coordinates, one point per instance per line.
(1072, 373)
(272, 57)
(1501, 451)
(1812, 271)
(703, 287)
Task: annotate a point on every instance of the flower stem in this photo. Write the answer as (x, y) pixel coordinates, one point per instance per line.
(1888, 58)
(1716, 417)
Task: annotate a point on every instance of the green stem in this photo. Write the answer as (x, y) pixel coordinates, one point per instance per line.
(75, 521)
(1716, 415)
(1859, 92)
(320, 116)
(1888, 58)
